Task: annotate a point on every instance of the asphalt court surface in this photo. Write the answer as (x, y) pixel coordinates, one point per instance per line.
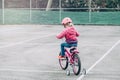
(29, 52)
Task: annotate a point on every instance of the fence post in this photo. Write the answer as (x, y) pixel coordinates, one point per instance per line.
(90, 11)
(49, 4)
(3, 12)
(60, 10)
(30, 10)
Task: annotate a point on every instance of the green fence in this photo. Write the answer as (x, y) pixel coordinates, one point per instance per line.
(35, 16)
(0, 16)
(0, 12)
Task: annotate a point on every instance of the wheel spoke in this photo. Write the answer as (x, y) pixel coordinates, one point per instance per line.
(76, 65)
(63, 63)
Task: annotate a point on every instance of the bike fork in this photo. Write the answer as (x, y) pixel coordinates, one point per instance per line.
(69, 69)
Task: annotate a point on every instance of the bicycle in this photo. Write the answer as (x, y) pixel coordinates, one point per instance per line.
(71, 58)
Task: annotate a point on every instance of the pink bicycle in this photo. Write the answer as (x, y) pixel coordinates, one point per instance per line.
(72, 59)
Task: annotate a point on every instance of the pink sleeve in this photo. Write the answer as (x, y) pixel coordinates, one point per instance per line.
(61, 35)
(77, 34)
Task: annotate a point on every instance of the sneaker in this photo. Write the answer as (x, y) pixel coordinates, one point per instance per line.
(61, 57)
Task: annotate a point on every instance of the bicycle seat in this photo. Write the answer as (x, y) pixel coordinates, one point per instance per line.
(72, 49)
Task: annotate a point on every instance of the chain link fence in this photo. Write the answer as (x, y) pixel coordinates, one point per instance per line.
(0, 11)
(52, 12)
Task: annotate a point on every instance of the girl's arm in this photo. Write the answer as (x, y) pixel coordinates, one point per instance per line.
(61, 35)
(77, 34)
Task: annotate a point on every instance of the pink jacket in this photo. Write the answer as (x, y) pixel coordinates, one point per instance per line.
(70, 34)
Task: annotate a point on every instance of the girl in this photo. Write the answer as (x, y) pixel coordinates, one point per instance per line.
(70, 35)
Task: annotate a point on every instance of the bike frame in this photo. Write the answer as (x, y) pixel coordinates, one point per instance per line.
(70, 55)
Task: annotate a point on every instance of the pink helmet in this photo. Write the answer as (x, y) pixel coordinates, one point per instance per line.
(66, 20)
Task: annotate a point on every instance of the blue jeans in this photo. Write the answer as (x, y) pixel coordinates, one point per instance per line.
(66, 45)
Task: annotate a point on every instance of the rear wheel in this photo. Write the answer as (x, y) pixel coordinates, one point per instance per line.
(63, 63)
(77, 64)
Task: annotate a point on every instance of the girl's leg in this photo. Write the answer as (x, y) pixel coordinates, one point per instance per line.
(63, 49)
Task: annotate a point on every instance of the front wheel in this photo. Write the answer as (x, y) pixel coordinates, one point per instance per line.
(77, 64)
(63, 63)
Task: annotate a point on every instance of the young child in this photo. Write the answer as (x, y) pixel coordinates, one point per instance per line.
(70, 35)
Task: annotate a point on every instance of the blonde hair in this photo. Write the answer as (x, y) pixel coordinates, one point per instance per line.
(69, 24)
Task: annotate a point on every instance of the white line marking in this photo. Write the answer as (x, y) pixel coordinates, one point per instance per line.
(30, 70)
(21, 42)
(82, 76)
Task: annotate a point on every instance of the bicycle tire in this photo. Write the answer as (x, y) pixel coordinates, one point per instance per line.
(77, 60)
(63, 65)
